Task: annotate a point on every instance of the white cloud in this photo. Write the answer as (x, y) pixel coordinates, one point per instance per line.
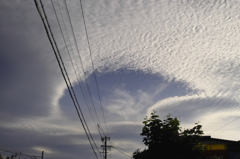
(126, 105)
(191, 42)
(184, 43)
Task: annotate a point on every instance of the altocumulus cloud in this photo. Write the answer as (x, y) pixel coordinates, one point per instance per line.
(178, 57)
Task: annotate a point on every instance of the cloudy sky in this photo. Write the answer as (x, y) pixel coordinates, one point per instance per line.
(173, 56)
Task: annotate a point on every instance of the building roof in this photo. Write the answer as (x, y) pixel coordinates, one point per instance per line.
(209, 140)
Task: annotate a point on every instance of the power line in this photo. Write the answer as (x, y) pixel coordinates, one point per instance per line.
(92, 62)
(69, 19)
(228, 130)
(71, 84)
(83, 92)
(84, 74)
(225, 125)
(100, 128)
(67, 74)
(23, 154)
(81, 61)
(100, 131)
(82, 88)
(45, 26)
(71, 58)
(120, 150)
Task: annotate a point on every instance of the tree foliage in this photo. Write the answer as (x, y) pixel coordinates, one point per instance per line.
(11, 157)
(166, 140)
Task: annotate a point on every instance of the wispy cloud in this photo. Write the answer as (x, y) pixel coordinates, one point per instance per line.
(188, 50)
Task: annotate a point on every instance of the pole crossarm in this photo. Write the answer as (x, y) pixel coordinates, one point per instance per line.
(105, 146)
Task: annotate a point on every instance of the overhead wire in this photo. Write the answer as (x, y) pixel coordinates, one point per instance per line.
(100, 128)
(71, 48)
(90, 52)
(120, 150)
(224, 125)
(227, 130)
(22, 154)
(68, 36)
(82, 68)
(69, 80)
(232, 129)
(57, 57)
(114, 146)
(99, 131)
(96, 78)
(58, 60)
(81, 88)
(88, 88)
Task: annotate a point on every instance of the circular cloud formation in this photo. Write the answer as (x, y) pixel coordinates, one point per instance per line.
(193, 42)
(191, 46)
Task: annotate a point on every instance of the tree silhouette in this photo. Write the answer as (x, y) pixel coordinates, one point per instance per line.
(166, 140)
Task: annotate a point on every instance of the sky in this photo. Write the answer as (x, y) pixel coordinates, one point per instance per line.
(172, 56)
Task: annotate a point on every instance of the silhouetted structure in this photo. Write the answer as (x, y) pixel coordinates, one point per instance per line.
(223, 149)
(166, 140)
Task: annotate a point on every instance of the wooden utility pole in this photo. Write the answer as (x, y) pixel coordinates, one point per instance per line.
(105, 146)
(42, 154)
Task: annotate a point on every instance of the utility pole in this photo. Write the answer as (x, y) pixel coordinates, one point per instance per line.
(19, 155)
(42, 154)
(105, 146)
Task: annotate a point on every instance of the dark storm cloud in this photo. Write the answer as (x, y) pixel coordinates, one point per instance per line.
(60, 146)
(19, 98)
(24, 59)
